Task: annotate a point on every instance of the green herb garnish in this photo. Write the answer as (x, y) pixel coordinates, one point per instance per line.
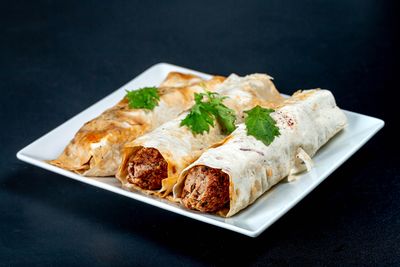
(146, 98)
(261, 125)
(208, 107)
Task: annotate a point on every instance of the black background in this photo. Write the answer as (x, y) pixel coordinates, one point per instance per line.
(57, 58)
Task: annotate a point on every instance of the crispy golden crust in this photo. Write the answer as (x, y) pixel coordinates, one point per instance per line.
(95, 149)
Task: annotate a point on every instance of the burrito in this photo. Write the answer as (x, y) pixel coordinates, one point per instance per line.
(153, 162)
(95, 149)
(228, 178)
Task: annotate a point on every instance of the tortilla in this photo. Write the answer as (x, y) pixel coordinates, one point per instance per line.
(96, 148)
(179, 146)
(306, 121)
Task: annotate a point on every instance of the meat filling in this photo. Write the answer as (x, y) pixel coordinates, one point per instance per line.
(206, 189)
(147, 168)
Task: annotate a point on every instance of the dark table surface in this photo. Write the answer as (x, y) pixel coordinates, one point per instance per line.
(57, 58)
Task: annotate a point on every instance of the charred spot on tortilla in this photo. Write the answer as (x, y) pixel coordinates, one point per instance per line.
(173, 167)
(206, 189)
(285, 118)
(253, 150)
(147, 168)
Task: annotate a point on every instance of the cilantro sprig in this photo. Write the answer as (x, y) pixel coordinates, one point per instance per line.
(261, 125)
(208, 108)
(146, 98)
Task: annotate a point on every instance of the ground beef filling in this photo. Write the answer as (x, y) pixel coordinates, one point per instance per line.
(206, 189)
(147, 168)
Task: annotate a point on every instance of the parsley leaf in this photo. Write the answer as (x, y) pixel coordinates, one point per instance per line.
(261, 125)
(146, 98)
(205, 111)
(226, 118)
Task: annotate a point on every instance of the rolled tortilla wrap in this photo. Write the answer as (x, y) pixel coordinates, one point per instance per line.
(152, 162)
(246, 168)
(95, 149)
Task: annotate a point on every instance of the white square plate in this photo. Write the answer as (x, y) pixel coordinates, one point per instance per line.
(251, 221)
